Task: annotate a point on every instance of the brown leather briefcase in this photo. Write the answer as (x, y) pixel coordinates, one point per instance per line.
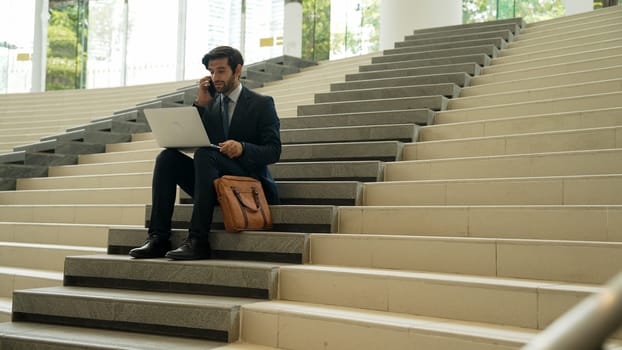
(243, 203)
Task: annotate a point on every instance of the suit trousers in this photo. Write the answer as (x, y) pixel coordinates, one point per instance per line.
(196, 177)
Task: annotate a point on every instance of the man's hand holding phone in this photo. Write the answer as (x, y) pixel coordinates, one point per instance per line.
(207, 91)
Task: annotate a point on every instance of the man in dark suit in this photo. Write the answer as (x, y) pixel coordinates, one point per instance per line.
(248, 144)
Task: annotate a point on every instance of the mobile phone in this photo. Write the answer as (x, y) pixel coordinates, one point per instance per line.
(211, 88)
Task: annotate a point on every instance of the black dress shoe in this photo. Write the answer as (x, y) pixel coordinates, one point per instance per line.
(154, 247)
(191, 249)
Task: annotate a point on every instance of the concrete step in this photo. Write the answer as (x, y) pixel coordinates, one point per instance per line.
(536, 94)
(5, 311)
(339, 135)
(297, 326)
(54, 234)
(285, 218)
(553, 190)
(567, 222)
(576, 29)
(270, 246)
(449, 90)
(16, 171)
(122, 195)
(405, 116)
(436, 103)
(102, 214)
(591, 162)
(187, 315)
(500, 40)
(561, 47)
(594, 39)
(471, 69)
(366, 171)
(544, 106)
(533, 63)
(12, 278)
(312, 193)
(510, 302)
(38, 158)
(87, 181)
(30, 335)
(460, 79)
(326, 150)
(546, 260)
(555, 141)
(595, 118)
(125, 167)
(571, 19)
(547, 69)
(40, 256)
(480, 59)
(469, 28)
(489, 50)
(579, 77)
(460, 27)
(246, 279)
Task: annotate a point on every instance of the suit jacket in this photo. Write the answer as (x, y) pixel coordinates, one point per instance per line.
(256, 124)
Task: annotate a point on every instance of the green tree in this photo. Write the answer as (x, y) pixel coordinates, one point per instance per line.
(316, 30)
(65, 51)
(367, 33)
(529, 10)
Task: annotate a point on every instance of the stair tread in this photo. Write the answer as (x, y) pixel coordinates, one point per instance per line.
(447, 278)
(143, 297)
(393, 320)
(91, 338)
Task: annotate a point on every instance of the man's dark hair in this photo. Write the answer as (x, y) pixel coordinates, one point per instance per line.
(233, 56)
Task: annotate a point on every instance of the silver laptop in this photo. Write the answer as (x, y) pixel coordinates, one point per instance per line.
(178, 127)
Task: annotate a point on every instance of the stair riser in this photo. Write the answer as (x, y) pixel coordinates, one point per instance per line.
(572, 104)
(10, 282)
(543, 82)
(574, 90)
(568, 262)
(412, 116)
(587, 39)
(365, 171)
(471, 31)
(436, 103)
(255, 246)
(284, 218)
(299, 331)
(489, 50)
(544, 62)
(512, 305)
(37, 257)
(87, 196)
(563, 47)
(590, 139)
(520, 125)
(530, 191)
(546, 70)
(232, 280)
(546, 222)
(447, 90)
(499, 39)
(95, 181)
(70, 214)
(479, 59)
(338, 135)
(460, 79)
(78, 235)
(565, 32)
(157, 318)
(471, 69)
(562, 164)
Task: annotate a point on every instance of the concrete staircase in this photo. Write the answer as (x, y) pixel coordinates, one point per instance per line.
(430, 200)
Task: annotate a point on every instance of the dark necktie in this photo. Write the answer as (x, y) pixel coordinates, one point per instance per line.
(224, 110)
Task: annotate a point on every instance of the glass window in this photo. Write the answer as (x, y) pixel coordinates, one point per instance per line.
(16, 45)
